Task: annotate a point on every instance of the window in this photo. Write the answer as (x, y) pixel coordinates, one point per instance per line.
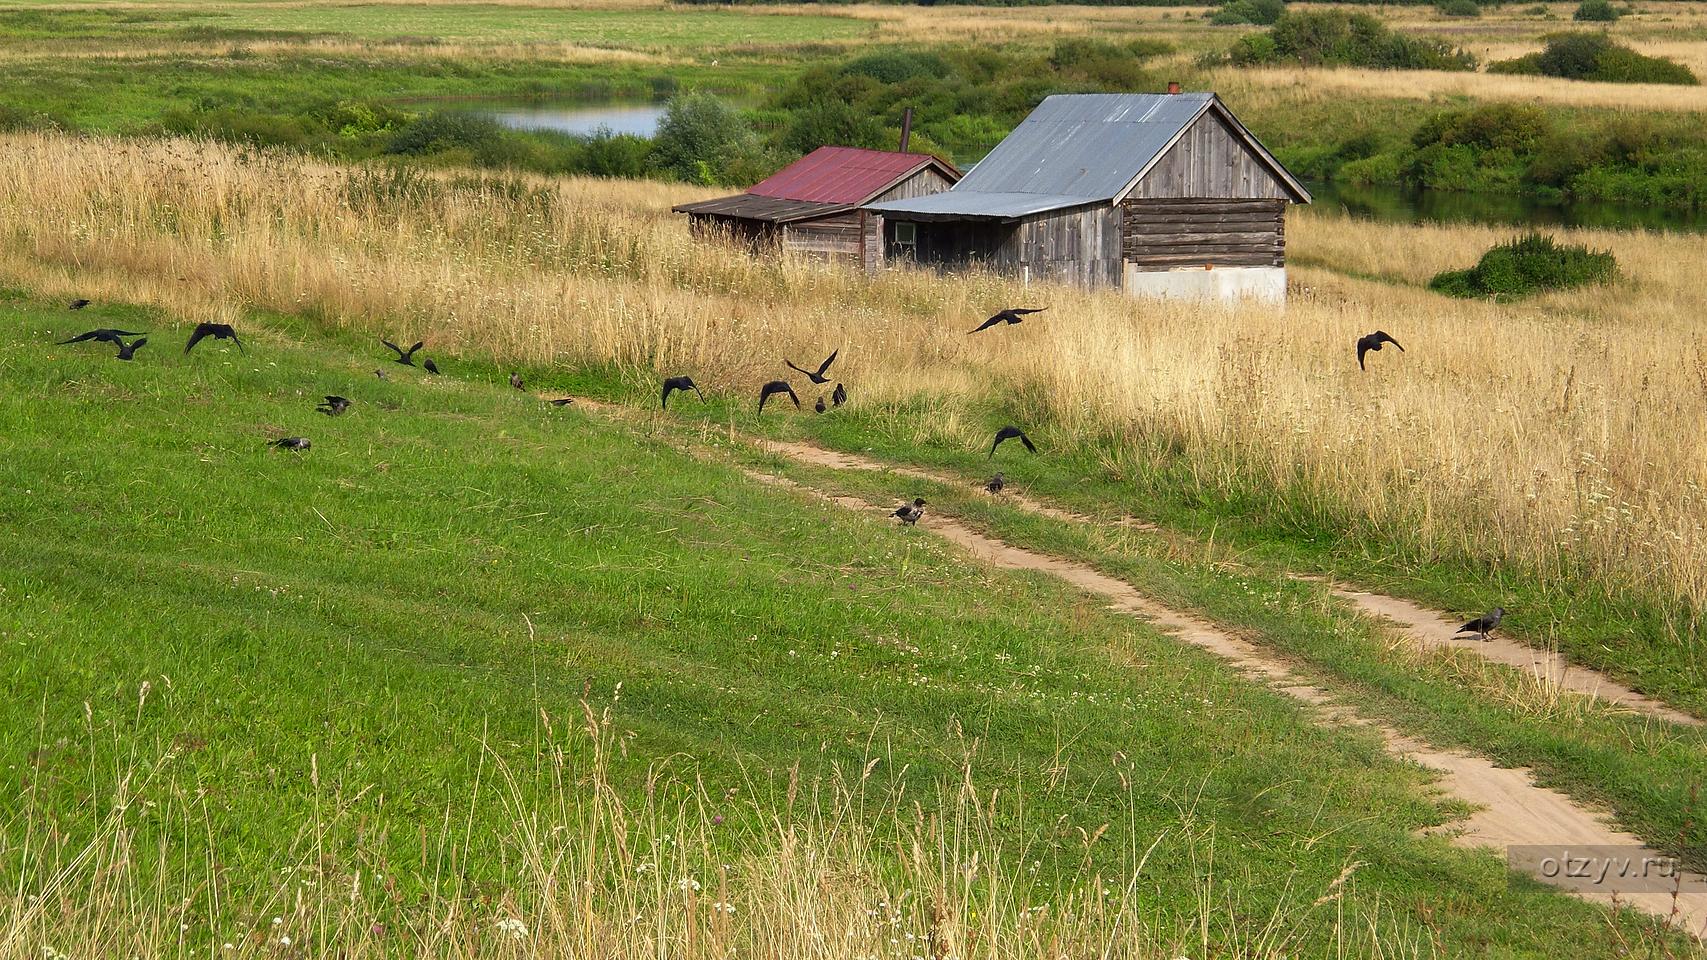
(906, 243)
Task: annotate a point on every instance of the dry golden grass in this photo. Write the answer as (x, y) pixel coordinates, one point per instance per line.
(833, 869)
(1260, 89)
(1560, 433)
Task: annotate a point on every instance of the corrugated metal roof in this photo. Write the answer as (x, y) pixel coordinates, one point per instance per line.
(845, 174)
(767, 209)
(1074, 149)
(954, 205)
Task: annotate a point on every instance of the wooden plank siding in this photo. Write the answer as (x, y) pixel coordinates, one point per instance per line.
(1080, 246)
(828, 238)
(921, 184)
(1209, 160)
(1173, 234)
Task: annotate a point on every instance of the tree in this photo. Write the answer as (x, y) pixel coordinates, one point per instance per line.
(701, 139)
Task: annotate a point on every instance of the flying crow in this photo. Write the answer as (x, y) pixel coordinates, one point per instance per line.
(1008, 433)
(77, 304)
(333, 405)
(775, 387)
(405, 357)
(1484, 624)
(218, 331)
(292, 443)
(432, 367)
(1373, 341)
(996, 483)
(104, 335)
(127, 351)
(1010, 316)
(672, 384)
(911, 512)
(818, 375)
(839, 396)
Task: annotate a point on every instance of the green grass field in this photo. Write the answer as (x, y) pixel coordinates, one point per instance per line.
(452, 559)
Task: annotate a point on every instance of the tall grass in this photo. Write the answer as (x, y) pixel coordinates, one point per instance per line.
(843, 867)
(1555, 433)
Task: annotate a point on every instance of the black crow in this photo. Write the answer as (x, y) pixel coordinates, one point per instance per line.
(561, 403)
(430, 366)
(516, 380)
(818, 375)
(911, 512)
(218, 331)
(77, 304)
(820, 406)
(1484, 624)
(103, 335)
(1010, 316)
(292, 443)
(1373, 341)
(333, 405)
(672, 384)
(405, 357)
(839, 396)
(996, 483)
(1008, 433)
(127, 351)
(775, 387)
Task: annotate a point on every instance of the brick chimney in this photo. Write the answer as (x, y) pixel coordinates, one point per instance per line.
(1173, 86)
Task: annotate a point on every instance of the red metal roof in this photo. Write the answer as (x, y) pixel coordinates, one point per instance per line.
(845, 174)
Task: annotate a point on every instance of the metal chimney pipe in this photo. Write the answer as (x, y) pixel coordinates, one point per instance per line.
(1173, 86)
(906, 127)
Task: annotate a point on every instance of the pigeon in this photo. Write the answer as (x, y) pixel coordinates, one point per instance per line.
(103, 335)
(561, 403)
(672, 384)
(431, 367)
(911, 512)
(775, 387)
(1373, 341)
(333, 405)
(839, 396)
(218, 331)
(1011, 315)
(381, 375)
(127, 351)
(996, 483)
(1008, 433)
(820, 406)
(1484, 624)
(292, 443)
(516, 380)
(818, 375)
(77, 304)
(405, 357)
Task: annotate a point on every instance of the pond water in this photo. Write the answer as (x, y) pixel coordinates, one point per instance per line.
(581, 118)
(1399, 205)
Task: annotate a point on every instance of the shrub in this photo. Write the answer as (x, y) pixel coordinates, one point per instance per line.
(1528, 265)
(1585, 55)
(1596, 11)
(895, 66)
(446, 130)
(1459, 8)
(701, 139)
(1261, 12)
(1340, 37)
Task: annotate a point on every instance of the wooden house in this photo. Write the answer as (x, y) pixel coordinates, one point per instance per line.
(1156, 194)
(814, 205)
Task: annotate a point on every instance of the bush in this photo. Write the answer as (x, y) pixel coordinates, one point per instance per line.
(895, 66)
(1585, 55)
(1528, 265)
(1459, 8)
(701, 139)
(446, 130)
(1343, 38)
(1596, 11)
(1261, 12)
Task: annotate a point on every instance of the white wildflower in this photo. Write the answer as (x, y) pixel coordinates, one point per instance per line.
(512, 927)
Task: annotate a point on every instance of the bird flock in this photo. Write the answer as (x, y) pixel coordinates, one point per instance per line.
(908, 514)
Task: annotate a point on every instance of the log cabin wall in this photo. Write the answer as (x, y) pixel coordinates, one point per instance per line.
(1180, 234)
(838, 238)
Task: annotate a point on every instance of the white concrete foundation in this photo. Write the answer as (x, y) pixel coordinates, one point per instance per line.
(1263, 284)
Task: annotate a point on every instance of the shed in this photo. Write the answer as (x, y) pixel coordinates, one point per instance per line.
(1156, 194)
(814, 205)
